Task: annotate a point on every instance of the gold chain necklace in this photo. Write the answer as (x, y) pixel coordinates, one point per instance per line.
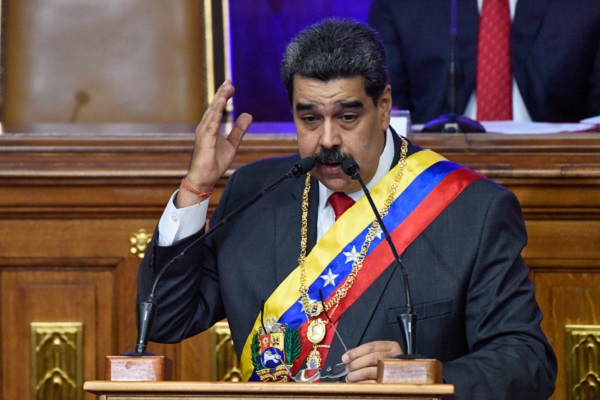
(317, 328)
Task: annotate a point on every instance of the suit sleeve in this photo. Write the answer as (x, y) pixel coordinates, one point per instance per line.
(188, 295)
(381, 19)
(509, 356)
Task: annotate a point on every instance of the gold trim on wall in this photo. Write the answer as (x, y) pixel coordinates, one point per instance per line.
(138, 242)
(583, 361)
(217, 48)
(227, 67)
(56, 360)
(226, 39)
(225, 365)
(209, 50)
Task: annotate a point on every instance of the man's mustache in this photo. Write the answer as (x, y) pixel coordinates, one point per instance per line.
(331, 156)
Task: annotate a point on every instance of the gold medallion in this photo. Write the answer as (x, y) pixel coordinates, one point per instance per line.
(316, 331)
(313, 361)
(315, 309)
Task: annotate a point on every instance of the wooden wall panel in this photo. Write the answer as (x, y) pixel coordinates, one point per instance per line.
(568, 297)
(103, 61)
(47, 290)
(563, 239)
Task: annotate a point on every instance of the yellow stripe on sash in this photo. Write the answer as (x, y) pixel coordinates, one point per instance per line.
(333, 242)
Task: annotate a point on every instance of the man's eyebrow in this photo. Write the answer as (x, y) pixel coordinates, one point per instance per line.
(341, 104)
(305, 106)
(352, 104)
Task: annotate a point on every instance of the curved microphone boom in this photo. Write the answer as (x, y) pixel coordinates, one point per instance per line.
(407, 320)
(147, 309)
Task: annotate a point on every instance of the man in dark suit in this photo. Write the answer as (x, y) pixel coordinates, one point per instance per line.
(554, 50)
(287, 269)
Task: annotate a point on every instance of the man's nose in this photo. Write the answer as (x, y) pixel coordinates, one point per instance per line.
(330, 136)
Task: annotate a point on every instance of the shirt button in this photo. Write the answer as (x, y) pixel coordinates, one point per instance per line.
(173, 217)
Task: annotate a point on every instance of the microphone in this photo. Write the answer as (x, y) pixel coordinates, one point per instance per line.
(147, 309)
(453, 122)
(408, 320)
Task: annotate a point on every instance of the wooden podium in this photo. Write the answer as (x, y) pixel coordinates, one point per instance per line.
(107, 390)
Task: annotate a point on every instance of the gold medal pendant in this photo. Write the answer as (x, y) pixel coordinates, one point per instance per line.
(313, 361)
(316, 331)
(315, 309)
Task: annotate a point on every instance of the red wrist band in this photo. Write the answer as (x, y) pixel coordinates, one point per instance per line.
(195, 191)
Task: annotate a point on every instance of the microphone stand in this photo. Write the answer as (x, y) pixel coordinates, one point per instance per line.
(407, 320)
(453, 122)
(147, 309)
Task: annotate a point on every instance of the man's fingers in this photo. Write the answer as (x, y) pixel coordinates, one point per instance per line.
(211, 121)
(242, 123)
(225, 91)
(362, 360)
(363, 375)
(212, 118)
(367, 360)
(388, 347)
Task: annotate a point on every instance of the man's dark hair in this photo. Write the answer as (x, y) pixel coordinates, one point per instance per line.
(333, 49)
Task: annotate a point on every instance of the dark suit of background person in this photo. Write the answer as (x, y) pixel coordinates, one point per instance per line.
(476, 306)
(555, 55)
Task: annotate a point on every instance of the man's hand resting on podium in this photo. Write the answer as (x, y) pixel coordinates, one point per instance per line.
(362, 360)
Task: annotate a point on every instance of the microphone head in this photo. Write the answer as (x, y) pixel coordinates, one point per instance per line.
(306, 164)
(302, 167)
(350, 167)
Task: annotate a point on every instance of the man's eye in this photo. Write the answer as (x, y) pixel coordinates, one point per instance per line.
(349, 117)
(309, 118)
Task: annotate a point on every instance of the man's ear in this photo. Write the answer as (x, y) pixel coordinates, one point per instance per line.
(384, 107)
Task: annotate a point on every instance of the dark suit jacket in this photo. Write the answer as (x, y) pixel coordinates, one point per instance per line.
(475, 304)
(555, 55)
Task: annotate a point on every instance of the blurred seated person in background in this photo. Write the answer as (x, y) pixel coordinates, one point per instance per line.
(279, 268)
(553, 55)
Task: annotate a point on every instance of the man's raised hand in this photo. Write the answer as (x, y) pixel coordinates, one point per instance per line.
(213, 151)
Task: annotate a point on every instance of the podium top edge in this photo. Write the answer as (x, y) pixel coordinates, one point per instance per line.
(348, 389)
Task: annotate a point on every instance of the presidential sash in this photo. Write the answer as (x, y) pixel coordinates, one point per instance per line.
(277, 343)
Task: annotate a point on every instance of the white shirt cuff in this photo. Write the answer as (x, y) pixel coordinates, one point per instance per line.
(178, 223)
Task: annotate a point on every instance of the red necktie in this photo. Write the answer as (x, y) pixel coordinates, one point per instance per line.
(340, 202)
(494, 76)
